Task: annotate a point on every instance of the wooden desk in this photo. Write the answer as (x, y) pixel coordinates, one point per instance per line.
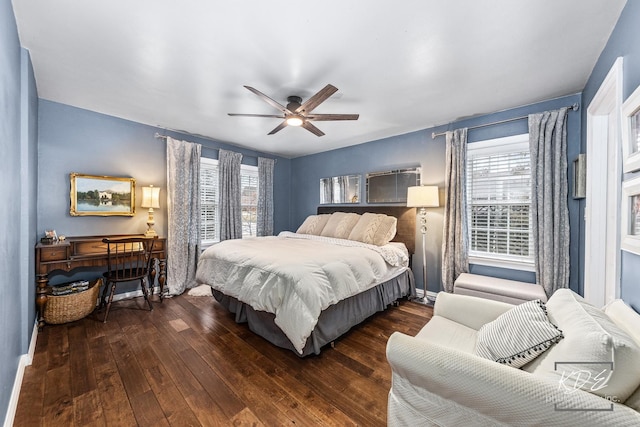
(85, 251)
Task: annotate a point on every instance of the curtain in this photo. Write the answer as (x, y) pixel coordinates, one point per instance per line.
(265, 196)
(230, 195)
(183, 205)
(549, 210)
(455, 246)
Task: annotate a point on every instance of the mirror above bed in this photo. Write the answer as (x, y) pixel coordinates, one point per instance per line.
(340, 189)
(391, 186)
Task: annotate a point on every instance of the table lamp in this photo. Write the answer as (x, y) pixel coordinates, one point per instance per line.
(425, 196)
(151, 200)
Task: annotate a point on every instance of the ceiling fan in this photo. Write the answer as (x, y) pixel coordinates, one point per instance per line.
(298, 113)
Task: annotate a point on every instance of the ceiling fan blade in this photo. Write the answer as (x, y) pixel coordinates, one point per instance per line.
(278, 128)
(311, 128)
(327, 117)
(257, 115)
(316, 99)
(270, 101)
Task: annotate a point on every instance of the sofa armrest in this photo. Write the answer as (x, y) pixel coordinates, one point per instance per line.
(442, 382)
(469, 311)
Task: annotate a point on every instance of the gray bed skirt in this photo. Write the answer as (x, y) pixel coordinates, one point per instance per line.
(333, 322)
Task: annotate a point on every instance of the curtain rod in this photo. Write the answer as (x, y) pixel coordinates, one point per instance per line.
(573, 107)
(158, 136)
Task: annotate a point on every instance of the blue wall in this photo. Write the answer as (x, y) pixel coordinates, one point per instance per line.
(419, 149)
(76, 140)
(18, 138)
(625, 42)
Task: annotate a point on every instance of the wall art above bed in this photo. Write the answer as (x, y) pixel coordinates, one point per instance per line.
(391, 186)
(340, 189)
(93, 195)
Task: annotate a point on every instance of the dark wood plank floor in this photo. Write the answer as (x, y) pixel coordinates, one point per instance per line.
(187, 363)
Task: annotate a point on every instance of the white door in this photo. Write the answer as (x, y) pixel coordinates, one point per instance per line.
(602, 209)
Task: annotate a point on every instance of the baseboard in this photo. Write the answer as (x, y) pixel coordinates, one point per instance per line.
(25, 360)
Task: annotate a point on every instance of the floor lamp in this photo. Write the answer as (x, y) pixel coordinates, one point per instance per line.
(425, 196)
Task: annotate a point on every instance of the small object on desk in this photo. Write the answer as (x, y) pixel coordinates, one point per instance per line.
(62, 237)
(47, 240)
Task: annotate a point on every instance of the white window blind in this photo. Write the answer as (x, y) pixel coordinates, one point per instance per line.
(209, 211)
(209, 228)
(499, 200)
(249, 200)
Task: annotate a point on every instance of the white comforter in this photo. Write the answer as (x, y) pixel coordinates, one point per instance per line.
(296, 276)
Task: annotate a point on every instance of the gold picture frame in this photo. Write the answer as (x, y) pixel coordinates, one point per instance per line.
(95, 195)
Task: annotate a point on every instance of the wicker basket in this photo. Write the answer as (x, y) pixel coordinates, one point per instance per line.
(68, 308)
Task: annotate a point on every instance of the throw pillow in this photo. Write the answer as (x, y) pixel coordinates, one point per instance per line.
(517, 336)
(340, 225)
(374, 229)
(594, 348)
(313, 224)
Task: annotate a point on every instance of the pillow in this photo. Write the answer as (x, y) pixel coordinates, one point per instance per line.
(592, 345)
(517, 336)
(374, 229)
(340, 225)
(313, 224)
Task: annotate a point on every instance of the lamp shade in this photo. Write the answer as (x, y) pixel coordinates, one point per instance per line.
(151, 197)
(424, 196)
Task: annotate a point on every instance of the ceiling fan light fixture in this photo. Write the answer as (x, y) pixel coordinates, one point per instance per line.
(294, 121)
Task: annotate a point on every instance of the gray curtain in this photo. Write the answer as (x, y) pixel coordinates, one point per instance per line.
(549, 211)
(265, 196)
(455, 246)
(230, 194)
(183, 205)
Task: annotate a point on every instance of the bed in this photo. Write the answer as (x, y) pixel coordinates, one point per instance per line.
(327, 283)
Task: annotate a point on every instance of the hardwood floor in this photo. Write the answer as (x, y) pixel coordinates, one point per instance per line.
(187, 363)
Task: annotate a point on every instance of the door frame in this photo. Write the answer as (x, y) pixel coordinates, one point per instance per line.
(602, 256)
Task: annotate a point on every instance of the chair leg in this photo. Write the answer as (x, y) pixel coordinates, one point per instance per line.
(145, 292)
(113, 290)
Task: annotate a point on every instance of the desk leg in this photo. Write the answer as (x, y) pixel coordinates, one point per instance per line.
(42, 280)
(162, 278)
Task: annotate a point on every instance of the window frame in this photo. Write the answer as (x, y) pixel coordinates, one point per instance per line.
(504, 145)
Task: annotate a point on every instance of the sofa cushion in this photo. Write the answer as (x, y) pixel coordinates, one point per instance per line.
(314, 224)
(595, 355)
(448, 333)
(340, 225)
(517, 336)
(374, 229)
(629, 321)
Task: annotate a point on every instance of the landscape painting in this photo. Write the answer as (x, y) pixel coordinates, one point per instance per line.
(102, 195)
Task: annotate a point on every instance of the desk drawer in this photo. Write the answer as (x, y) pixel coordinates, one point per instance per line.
(53, 254)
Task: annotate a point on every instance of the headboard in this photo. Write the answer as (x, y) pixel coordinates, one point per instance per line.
(406, 228)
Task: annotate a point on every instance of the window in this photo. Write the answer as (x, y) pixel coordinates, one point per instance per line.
(210, 216)
(499, 202)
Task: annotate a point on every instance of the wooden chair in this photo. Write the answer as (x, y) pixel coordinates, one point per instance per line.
(127, 260)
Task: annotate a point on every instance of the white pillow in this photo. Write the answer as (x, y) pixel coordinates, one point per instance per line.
(517, 336)
(340, 225)
(592, 344)
(374, 229)
(313, 224)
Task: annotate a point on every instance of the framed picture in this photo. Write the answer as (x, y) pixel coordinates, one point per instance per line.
(93, 195)
(630, 224)
(630, 113)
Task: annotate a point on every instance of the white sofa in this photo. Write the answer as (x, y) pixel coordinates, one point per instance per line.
(438, 380)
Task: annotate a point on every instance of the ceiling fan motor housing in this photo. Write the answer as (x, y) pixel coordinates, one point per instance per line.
(294, 102)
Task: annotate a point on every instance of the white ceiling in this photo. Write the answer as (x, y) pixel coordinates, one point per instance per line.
(402, 65)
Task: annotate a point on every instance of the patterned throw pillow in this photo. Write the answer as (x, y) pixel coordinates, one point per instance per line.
(518, 336)
(374, 229)
(340, 225)
(314, 224)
